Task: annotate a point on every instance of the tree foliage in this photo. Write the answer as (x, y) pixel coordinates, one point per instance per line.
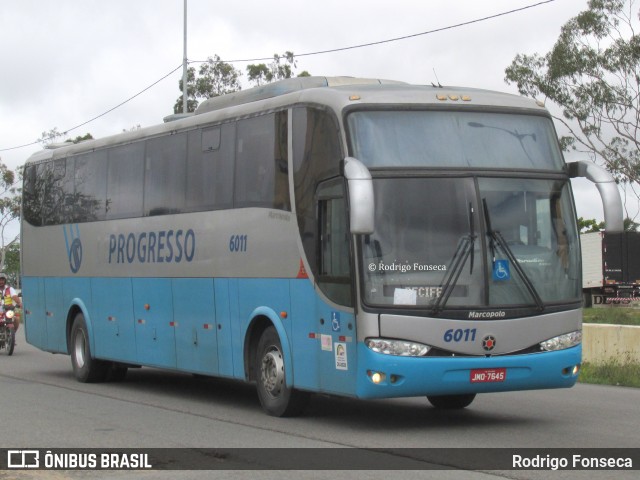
(593, 73)
(9, 210)
(215, 78)
(592, 225)
(282, 67)
(589, 225)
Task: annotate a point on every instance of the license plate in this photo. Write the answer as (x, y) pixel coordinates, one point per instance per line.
(488, 375)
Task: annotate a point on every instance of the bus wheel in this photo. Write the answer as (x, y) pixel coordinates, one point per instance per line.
(85, 368)
(451, 402)
(275, 397)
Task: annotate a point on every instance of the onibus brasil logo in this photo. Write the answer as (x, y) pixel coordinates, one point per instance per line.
(74, 246)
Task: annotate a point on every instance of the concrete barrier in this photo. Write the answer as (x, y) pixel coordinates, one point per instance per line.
(603, 342)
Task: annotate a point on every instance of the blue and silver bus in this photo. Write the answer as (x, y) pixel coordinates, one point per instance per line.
(354, 237)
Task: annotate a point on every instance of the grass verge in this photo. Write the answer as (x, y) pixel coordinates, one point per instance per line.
(612, 372)
(613, 315)
(622, 372)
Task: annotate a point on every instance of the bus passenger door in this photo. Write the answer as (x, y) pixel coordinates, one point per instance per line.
(334, 311)
(154, 322)
(194, 311)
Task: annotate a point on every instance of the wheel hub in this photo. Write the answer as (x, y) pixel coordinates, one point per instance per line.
(272, 372)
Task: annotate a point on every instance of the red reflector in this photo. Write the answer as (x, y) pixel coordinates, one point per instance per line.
(312, 335)
(302, 272)
(488, 375)
(342, 339)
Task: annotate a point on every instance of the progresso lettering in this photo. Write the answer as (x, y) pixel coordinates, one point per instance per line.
(164, 246)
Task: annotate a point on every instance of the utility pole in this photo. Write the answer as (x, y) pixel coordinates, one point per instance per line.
(184, 63)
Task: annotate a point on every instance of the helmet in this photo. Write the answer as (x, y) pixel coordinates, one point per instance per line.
(3, 275)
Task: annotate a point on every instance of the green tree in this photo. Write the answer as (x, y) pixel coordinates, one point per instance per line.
(588, 226)
(214, 78)
(593, 73)
(282, 67)
(12, 264)
(79, 138)
(592, 225)
(10, 195)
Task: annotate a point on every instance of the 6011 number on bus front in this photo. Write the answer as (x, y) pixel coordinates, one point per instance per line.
(460, 335)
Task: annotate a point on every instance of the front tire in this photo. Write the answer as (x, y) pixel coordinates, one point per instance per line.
(11, 341)
(85, 367)
(451, 402)
(276, 398)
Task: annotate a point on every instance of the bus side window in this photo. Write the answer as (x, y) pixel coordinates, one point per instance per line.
(261, 162)
(165, 174)
(31, 197)
(334, 277)
(125, 175)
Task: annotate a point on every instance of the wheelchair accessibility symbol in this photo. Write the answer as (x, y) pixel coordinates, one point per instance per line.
(501, 270)
(335, 321)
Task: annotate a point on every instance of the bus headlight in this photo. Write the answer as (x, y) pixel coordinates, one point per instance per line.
(397, 347)
(561, 342)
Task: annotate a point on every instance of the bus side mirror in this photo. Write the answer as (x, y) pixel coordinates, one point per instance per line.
(608, 188)
(361, 205)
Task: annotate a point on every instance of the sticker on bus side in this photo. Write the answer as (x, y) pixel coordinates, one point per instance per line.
(341, 356)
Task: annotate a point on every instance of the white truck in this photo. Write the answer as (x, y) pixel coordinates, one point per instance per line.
(610, 268)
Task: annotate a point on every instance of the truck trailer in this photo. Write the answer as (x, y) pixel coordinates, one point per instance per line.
(610, 268)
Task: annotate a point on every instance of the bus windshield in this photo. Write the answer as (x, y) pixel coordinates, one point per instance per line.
(454, 139)
(471, 242)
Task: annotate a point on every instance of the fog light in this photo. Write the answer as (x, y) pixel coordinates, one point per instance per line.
(376, 377)
(573, 371)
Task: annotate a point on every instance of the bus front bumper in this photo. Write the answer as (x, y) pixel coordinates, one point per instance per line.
(387, 376)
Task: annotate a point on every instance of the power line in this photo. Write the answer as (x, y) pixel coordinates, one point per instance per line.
(102, 114)
(307, 54)
(396, 39)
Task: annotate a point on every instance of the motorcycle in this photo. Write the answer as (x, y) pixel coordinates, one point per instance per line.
(7, 331)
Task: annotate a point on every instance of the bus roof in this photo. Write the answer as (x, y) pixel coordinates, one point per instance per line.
(335, 92)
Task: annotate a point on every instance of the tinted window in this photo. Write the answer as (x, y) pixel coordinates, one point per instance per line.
(334, 277)
(165, 174)
(31, 205)
(316, 156)
(125, 181)
(90, 187)
(210, 168)
(57, 194)
(261, 162)
(454, 139)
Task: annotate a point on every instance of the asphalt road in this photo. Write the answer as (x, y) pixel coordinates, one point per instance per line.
(44, 407)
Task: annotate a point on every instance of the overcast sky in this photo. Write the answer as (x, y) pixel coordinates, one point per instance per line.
(65, 62)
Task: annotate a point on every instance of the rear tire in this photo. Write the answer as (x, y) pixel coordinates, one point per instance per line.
(85, 367)
(276, 398)
(451, 402)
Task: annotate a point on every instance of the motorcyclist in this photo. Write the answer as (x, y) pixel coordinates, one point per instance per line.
(9, 299)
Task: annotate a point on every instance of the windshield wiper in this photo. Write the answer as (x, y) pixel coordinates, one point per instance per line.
(498, 240)
(465, 249)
